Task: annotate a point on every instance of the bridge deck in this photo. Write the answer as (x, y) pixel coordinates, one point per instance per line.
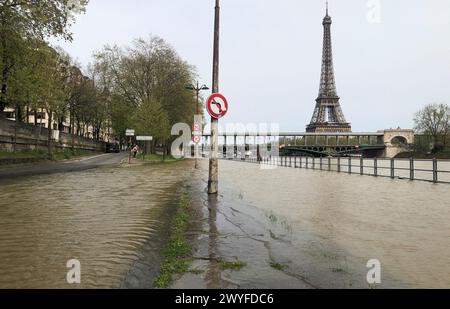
(295, 134)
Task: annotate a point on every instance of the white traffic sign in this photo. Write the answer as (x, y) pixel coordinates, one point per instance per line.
(144, 138)
(217, 105)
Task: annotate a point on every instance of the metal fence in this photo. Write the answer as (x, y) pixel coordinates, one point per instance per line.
(431, 170)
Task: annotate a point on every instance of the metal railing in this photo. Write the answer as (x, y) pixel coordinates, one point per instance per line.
(430, 170)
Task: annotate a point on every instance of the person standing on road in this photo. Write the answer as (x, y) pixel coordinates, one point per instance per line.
(135, 151)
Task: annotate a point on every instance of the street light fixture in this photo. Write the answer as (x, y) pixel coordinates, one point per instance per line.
(197, 88)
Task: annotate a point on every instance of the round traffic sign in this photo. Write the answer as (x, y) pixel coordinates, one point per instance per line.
(196, 139)
(217, 105)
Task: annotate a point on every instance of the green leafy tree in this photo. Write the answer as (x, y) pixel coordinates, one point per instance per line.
(51, 89)
(22, 22)
(121, 117)
(151, 119)
(148, 76)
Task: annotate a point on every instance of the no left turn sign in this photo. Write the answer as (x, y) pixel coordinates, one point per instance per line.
(217, 105)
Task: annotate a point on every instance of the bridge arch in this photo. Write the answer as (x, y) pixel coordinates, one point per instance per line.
(398, 137)
(399, 141)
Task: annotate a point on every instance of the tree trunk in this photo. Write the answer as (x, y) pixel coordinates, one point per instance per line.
(99, 127)
(164, 151)
(4, 77)
(38, 136)
(72, 128)
(61, 124)
(15, 135)
(3, 96)
(153, 147)
(49, 135)
(4, 87)
(78, 128)
(18, 112)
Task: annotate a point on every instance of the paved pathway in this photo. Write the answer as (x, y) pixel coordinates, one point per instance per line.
(13, 171)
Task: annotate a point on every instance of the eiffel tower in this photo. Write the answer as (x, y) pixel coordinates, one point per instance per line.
(328, 115)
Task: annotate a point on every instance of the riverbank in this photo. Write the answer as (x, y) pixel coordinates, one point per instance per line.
(442, 155)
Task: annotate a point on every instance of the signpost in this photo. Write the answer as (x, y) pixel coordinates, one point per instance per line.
(217, 105)
(144, 139)
(129, 133)
(197, 134)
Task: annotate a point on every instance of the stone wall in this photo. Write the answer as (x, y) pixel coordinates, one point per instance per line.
(29, 137)
(392, 150)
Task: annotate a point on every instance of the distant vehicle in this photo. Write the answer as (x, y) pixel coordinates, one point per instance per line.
(112, 148)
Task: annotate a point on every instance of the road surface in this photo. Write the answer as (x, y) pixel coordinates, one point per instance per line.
(102, 160)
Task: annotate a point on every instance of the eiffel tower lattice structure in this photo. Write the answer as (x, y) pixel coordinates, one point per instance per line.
(328, 115)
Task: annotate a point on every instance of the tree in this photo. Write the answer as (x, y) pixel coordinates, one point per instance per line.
(42, 19)
(151, 119)
(28, 21)
(434, 120)
(148, 77)
(51, 91)
(120, 115)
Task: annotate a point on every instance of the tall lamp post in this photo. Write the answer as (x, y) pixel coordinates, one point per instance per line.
(197, 90)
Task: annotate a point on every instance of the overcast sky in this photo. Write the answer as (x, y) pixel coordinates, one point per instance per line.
(386, 66)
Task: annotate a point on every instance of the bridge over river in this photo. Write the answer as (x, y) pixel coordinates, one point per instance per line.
(386, 143)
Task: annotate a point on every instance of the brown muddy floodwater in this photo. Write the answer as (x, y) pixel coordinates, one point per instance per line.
(323, 226)
(326, 226)
(107, 218)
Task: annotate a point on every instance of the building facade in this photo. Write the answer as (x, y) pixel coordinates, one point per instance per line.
(41, 118)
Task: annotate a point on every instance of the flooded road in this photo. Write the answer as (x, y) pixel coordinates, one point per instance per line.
(323, 228)
(292, 228)
(109, 218)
